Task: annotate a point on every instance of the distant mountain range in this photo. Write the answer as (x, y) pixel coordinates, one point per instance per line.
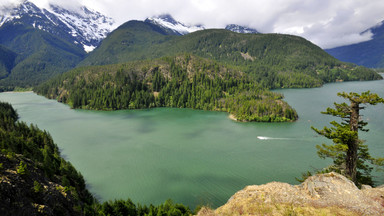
(369, 53)
(39, 43)
(170, 25)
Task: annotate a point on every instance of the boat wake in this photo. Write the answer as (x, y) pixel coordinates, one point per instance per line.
(270, 138)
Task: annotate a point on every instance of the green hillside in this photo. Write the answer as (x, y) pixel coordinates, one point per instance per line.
(130, 41)
(40, 55)
(7, 61)
(273, 60)
(184, 81)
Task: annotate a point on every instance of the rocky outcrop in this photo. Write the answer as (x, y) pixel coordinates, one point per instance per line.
(29, 192)
(323, 194)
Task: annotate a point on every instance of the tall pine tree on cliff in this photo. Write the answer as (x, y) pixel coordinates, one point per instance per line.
(348, 152)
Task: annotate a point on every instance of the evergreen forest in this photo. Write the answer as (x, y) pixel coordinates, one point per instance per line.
(183, 81)
(272, 60)
(29, 56)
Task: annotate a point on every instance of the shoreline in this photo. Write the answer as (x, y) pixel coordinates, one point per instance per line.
(17, 92)
(232, 117)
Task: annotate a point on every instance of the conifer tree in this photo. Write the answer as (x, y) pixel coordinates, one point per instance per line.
(349, 154)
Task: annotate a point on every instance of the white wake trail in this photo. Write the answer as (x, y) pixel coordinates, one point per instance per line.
(270, 138)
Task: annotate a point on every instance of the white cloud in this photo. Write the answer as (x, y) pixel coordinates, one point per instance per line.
(9, 2)
(327, 23)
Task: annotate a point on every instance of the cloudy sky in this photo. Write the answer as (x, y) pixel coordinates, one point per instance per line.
(327, 23)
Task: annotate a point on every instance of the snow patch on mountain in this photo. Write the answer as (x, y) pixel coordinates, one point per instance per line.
(88, 48)
(241, 29)
(90, 25)
(167, 21)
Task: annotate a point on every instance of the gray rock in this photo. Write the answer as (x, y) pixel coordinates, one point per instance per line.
(327, 194)
(365, 187)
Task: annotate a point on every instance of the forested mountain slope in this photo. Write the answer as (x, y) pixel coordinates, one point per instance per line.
(7, 61)
(273, 60)
(40, 55)
(48, 40)
(184, 81)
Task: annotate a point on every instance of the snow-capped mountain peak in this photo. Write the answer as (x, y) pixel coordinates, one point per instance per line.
(87, 26)
(167, 21)
(83, 27)
(241, 29)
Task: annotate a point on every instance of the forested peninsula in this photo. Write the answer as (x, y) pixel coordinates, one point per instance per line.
(183, 81)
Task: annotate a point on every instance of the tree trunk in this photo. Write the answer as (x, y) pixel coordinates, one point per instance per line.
(351, 160)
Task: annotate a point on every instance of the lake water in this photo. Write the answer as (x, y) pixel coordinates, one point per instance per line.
(191, 156)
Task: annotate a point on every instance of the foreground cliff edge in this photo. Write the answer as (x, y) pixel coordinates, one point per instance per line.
(323, 194)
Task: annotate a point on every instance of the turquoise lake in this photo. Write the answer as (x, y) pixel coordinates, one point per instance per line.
(192, 156)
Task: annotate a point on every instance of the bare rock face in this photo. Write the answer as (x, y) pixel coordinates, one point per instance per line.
(335, 190)
(325, 194)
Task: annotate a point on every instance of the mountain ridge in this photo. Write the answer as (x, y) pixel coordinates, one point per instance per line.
(276, 60)
(174, 27)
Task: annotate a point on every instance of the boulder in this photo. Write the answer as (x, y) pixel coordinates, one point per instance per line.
(323, 194)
